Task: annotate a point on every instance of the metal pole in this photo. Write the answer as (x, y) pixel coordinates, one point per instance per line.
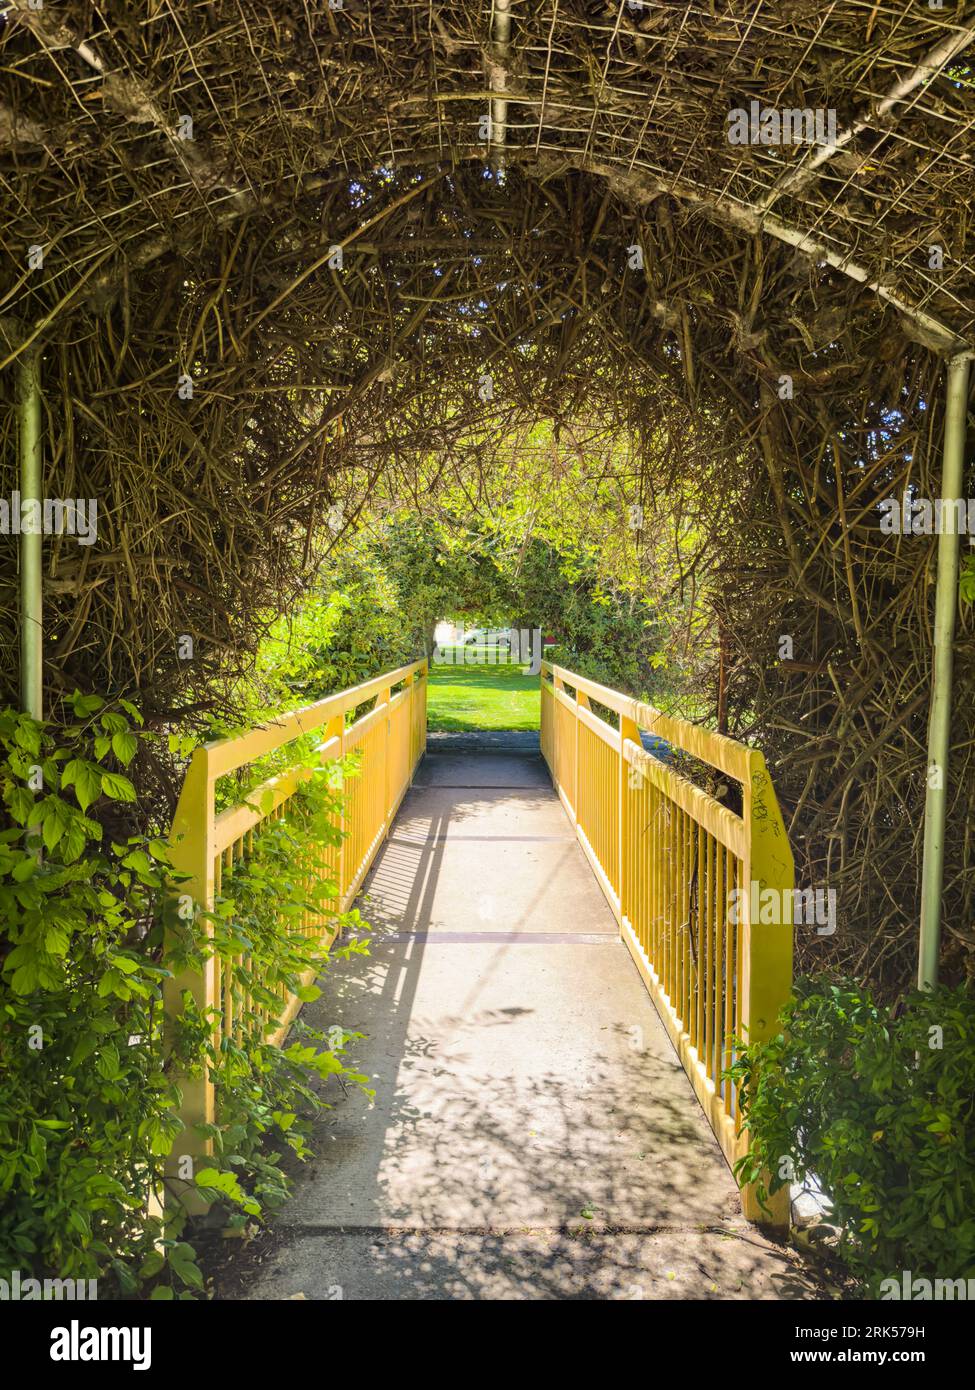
(939, 725)
(30, 521)
(498, 77)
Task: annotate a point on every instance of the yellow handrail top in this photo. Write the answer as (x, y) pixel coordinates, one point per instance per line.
(726, 754)
(227, 754)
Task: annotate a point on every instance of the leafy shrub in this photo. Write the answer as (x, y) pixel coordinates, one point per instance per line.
(347, 628)
(876, 1103)
(89, 1099)
(258, 929)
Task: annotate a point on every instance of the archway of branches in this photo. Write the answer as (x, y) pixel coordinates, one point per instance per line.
(329, 278)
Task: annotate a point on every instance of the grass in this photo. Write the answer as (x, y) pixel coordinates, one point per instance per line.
(482, 696)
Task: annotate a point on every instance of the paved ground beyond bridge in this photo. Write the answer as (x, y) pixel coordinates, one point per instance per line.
(533, 1134)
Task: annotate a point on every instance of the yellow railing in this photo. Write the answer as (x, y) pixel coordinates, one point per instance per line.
(683, 874)
(390, 738)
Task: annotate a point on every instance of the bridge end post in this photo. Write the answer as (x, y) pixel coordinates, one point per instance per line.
(766, 945)
(191, 854)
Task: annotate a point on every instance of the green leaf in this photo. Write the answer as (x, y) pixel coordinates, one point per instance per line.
(21, 803)
(28, 737)
(86, 780)
(132, 711)
(126, 964)
(227, 1184)
(183, 1263)
(966, 581)
(125, 746)
(116, 786)
(52, 830)
(138, 860)
(73, 843)
(83, 705)
(152, 1264)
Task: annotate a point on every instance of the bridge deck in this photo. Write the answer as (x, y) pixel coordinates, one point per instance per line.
(533, 1135)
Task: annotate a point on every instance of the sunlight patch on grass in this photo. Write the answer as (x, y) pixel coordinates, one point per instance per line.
(482, 696)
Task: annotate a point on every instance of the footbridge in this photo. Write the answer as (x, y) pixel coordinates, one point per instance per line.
(563, 959)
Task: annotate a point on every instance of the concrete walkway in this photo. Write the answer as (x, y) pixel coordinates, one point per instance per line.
(533, 1134)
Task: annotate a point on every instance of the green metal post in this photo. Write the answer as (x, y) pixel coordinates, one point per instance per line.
(939, 725)
(31, 534)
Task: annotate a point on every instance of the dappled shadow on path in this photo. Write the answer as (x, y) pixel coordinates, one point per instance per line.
(533, 1133)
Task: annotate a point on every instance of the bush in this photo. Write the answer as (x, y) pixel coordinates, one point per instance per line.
(877, 1104)
(89, 1098)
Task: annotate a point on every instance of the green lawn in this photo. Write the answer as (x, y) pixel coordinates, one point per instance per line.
(482, 697)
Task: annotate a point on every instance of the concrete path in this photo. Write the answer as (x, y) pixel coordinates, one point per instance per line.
(533, 1133)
